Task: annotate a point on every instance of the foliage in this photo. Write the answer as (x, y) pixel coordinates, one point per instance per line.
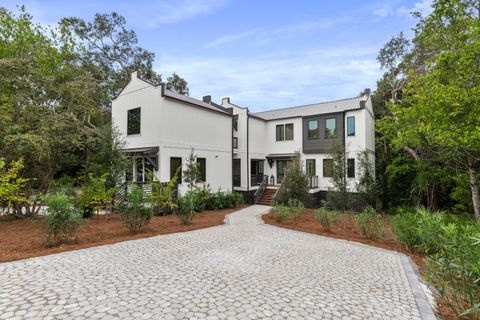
(295, 182)
(63, 221)
(134, 214)
(338, 197)
(163, 196)
(281, 212)
(455, 269)
(295, 207)
(185, 210)
(64, 184)
(95, 196)
(177, 84)
(326, 217)
(11, 184)
(366, 185)
(191, 174)
(370, 224)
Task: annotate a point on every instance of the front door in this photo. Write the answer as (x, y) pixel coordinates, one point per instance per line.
(281, 165)
(236, 173)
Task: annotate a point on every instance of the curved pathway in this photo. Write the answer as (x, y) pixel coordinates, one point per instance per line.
(242, 270)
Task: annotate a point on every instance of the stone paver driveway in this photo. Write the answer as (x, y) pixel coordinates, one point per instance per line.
(244, 270)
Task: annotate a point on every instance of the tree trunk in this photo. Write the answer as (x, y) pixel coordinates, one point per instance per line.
(474, 187)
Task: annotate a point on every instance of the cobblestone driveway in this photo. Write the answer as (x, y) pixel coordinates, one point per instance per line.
(244, 270)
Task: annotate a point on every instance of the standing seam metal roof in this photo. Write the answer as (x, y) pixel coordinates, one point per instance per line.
(313, 109)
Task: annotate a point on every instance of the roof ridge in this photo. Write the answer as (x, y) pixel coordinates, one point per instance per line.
(307, 105)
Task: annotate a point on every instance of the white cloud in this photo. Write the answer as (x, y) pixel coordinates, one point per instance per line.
(154, 13)
(262, 36)
(384, 11)
(272, 82)
(424, 7)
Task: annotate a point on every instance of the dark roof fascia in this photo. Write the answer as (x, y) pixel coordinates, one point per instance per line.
(164, 95)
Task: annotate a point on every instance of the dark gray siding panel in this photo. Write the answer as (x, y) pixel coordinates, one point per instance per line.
(322, 145)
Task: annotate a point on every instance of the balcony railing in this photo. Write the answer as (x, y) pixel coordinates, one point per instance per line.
(256, 179)
(235, 143)
(313, 182)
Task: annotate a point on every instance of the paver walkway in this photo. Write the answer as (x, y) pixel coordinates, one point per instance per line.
(243, 270)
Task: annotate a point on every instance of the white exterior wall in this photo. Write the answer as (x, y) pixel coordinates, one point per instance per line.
(176, 127)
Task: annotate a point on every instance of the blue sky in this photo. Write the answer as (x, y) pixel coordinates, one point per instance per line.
(263, 54)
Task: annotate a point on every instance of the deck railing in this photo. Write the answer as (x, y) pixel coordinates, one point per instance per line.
(313, 182)
(260, 190)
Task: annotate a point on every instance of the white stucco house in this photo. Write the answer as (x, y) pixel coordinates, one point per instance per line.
(238, 149)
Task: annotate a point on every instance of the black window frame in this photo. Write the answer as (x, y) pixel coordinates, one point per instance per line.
(327, 131)
(173, 171)
(307, 171)
(131, 129)
(282, 132)
(287, 138)
(324, 165)
(235, 143)
(311, 130)
(349, 134)
(202, 169)
(351, 168)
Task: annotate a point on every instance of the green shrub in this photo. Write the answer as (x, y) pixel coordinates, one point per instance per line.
(419, 229)
(63, 221)
(185, 210)
(326, 217)
(281, 213)
(370, 224)
(455, 269)
(295, 182)
(296, 209)
(134, 214)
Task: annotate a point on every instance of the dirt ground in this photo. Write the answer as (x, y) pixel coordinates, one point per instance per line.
(347, 229)
(22, 238)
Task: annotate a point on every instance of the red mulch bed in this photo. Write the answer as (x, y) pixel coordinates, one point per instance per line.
(347, 229)
(22, 238)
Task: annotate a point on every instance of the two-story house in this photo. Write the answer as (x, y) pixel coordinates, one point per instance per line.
(237, 149)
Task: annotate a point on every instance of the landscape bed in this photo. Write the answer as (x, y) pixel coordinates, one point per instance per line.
(21, 238)
(347, 229)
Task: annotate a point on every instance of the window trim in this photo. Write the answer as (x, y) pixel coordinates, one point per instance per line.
(324, 166)
(139, 121)
(314, 167)
(349, 167)
(317, 131)
(282, 132)
(353, 134)
(293, 134)
(179, 179)
(326, 129)
(203, 174)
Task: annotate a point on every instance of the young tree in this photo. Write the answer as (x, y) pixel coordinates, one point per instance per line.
(191, 174)
(366, 185)
(295, 182)
(338, 197)
(11, 184)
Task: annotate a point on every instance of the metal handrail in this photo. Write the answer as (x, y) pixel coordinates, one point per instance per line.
(260, 190)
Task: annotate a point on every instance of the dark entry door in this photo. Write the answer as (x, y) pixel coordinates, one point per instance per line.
(236, 173)
(281, 165)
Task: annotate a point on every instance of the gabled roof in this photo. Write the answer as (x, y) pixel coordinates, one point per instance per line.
(314, 109)
(177, 96)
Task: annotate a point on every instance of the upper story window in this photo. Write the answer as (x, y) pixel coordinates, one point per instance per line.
(289, 131)
(133, 121)
(330, 128)
(280, 132)
(312, 129)
(350, 126)
(284, 132)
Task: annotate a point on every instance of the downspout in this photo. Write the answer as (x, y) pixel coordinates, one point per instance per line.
(231, 164)
(248, 153)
